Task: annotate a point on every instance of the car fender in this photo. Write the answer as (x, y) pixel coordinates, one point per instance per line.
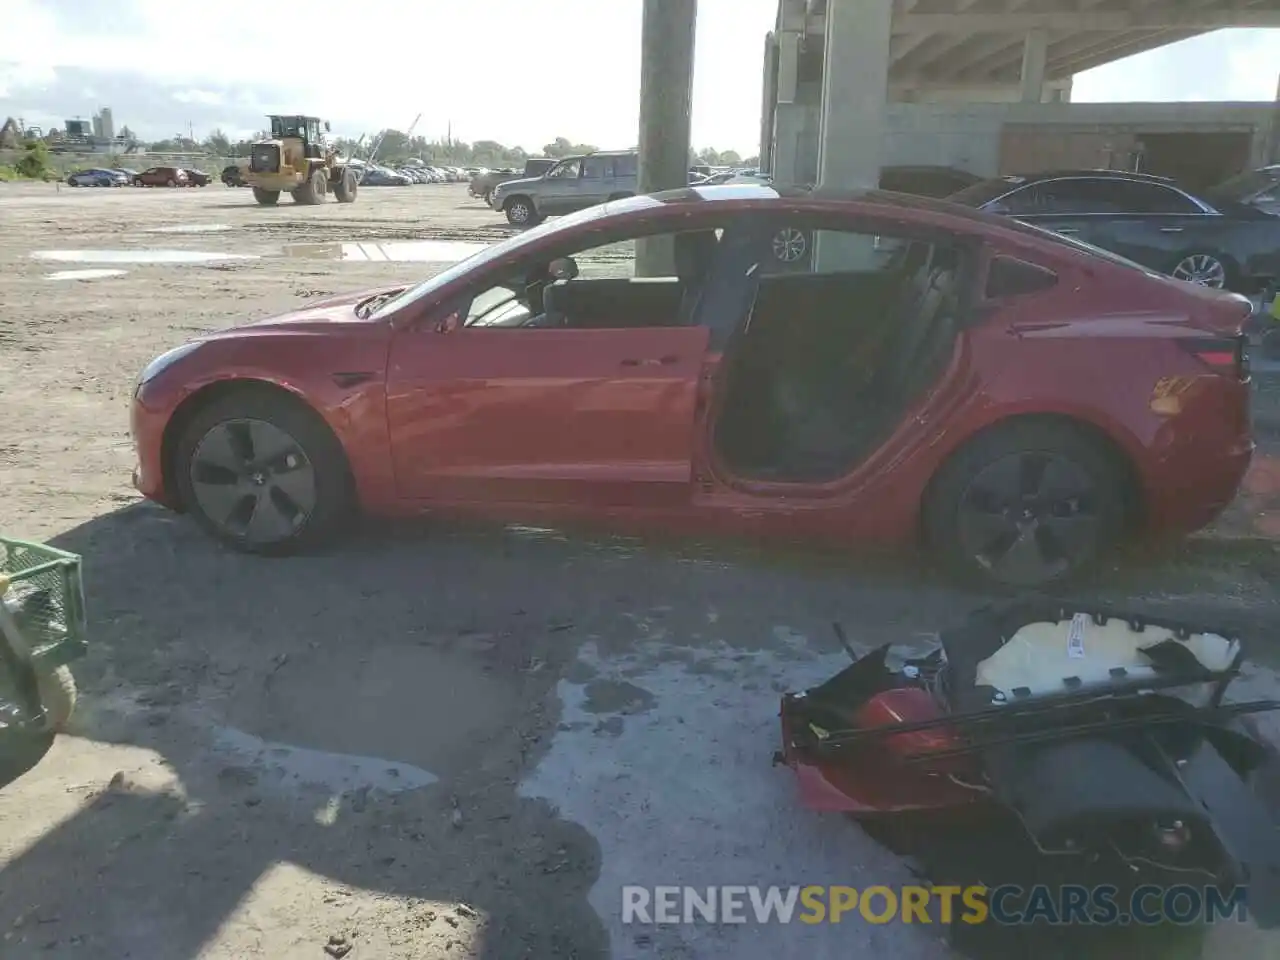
(354, 411)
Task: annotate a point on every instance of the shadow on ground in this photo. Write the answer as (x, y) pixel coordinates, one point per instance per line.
(428, 653)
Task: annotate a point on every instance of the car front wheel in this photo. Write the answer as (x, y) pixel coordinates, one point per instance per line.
(1026, 505)
(520, 212)
(263, 473)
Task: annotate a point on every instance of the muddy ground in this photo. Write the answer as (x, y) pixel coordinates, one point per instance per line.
(438, 740)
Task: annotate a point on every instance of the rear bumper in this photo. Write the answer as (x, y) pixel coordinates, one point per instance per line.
(1200, 460)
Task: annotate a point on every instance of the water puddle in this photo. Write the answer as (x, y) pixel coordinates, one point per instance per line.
(401, 251)
(138, 256)
(339, 772)
(84, 274)
(192, 228)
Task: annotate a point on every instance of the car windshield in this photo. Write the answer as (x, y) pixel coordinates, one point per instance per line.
(983, 192)
(506, 248)
(1246, 185)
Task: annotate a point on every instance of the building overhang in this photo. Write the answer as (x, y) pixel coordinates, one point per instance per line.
(983, 41)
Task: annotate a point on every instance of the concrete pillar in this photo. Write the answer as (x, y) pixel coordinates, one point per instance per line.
(855, 85)
(1273, 142)
(666, 104)
(786, 109)
(1035, 60)
(768, 101)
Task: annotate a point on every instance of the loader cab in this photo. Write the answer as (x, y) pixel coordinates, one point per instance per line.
(307, 130)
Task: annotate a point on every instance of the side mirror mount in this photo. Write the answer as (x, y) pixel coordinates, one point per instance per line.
(327, 128)
(448, 324)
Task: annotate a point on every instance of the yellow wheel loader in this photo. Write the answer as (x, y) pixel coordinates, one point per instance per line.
(298, 160)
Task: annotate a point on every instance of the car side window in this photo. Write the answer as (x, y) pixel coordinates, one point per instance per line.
(1024, 200)
(568, 170)
(596, 168)
(1011, 277)
(625, 165)
(1156, 198)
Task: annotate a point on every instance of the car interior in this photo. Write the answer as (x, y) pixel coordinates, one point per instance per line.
(555, 295)
(821, 372)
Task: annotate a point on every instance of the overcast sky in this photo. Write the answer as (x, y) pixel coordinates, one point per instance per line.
(517, 71)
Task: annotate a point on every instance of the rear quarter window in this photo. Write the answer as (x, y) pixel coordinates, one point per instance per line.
(1011, 277)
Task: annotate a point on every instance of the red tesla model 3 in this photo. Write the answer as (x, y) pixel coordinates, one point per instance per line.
(854, 368)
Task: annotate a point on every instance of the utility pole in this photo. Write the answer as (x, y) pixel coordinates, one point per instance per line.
(666, 105)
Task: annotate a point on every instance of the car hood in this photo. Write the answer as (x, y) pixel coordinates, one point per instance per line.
(317, 314)
(509, 185)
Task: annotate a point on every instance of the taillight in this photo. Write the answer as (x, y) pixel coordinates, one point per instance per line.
(1228, 356)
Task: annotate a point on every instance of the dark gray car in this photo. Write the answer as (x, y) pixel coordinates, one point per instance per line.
(574, 183)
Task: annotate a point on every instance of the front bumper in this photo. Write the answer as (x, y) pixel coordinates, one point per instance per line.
(146, 426)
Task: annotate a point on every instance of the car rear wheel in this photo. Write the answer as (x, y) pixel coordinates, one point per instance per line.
(171, 182)
(1026, 505)
(520, 212)
(1206, 269)
(263, 473)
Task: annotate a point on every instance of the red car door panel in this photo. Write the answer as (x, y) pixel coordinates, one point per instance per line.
(545, 415)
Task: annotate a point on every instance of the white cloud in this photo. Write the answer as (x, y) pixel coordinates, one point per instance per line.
(205, 97)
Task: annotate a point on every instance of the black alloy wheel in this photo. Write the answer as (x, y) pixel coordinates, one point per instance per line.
(253, 481)
(1028, 516)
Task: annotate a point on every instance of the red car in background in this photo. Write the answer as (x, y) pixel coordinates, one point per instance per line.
(161, 177)
(1017, 401)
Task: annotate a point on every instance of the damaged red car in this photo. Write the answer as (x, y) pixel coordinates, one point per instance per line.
(856, 368)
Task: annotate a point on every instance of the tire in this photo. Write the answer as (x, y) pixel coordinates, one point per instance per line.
(171, 182)
(314, 190)
(1030, 543)
(58, 695)
(520, 211)
(305, 489)
(137, 182)
(266, 198)
(488, 198)
(347, 187)
(1210, 269)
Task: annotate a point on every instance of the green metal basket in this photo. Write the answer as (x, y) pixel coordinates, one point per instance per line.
(49, 582)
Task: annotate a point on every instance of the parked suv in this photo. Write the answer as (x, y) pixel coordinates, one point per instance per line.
(572, 184)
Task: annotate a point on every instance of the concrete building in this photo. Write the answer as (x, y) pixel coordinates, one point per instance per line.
(104, 125)
(985, 85)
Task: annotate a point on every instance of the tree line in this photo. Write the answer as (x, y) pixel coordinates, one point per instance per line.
(396, 146)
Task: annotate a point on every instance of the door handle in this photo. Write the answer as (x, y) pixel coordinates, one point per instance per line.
(1171, 229)
(666, 361)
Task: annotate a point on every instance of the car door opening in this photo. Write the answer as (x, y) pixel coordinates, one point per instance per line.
(828, 360)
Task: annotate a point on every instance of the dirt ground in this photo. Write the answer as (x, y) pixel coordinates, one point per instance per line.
(437, 740)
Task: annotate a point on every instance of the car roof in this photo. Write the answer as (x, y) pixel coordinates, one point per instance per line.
(1065, 173)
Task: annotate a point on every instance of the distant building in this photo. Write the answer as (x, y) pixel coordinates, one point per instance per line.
(10, 135)
(104, 125)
